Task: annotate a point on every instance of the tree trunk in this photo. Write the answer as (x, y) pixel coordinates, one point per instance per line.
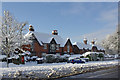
(7, 60)
(7, 51)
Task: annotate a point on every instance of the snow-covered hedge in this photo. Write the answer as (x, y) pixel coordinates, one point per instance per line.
(56, 58)
(54, 71)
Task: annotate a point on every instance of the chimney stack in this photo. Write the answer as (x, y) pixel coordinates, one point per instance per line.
(31, 28)
(93, 41)
(85, 41)
(55, 32)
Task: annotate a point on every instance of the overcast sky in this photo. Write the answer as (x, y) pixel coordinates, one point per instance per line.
(75, 20)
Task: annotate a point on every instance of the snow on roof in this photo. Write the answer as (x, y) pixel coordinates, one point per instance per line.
(46, 38)
(68, 38)
(82, 45)
(65, 41)
(98, 47)
(87, 46)
(27, 52)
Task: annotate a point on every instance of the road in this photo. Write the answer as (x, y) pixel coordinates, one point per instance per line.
(106, 73)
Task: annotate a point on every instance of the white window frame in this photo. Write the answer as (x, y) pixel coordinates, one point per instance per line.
(57, 47)
(45, 46)
(68, 48)
(52, 47)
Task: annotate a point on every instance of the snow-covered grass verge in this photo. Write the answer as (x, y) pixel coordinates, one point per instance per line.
(54, 71)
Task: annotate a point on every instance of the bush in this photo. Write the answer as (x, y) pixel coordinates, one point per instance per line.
(65, 59)
(50, 58)
(101, 56)
(88, 56)
(4, 59)
(53, 59)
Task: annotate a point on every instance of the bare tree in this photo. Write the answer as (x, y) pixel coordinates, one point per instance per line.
(11, 34)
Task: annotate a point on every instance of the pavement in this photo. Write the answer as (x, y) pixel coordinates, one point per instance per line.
(105, 74)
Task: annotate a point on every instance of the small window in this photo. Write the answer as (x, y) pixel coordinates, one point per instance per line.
(68, 48)
(45, 46)
(53, 46)
(57, 47)
(43, 54)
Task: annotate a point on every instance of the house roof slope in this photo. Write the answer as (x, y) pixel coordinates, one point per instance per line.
(46, 38)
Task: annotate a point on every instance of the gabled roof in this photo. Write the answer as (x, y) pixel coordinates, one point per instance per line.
(46, 38)
(68, 42)
(75, 46)
(53, 41)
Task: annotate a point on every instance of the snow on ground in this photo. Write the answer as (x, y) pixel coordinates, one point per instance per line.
(53, 70)
(2, 56)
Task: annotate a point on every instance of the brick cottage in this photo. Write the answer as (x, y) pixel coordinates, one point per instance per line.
(43, 43)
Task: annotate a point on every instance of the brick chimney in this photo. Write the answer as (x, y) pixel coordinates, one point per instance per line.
(85, 41)
(93, 41)
(31, 28)
(55, 32)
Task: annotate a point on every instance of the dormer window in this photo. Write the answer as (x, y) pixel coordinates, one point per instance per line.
(52, 48)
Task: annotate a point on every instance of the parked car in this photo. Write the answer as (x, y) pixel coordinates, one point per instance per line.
(77, 60)
(40, 60)
(33, 58)
(85, 59)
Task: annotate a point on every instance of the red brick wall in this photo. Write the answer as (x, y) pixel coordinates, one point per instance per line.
(60, 50)
(44, 50)
(26, 47)
(65, 49)
(37, 49)
(40, 49)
